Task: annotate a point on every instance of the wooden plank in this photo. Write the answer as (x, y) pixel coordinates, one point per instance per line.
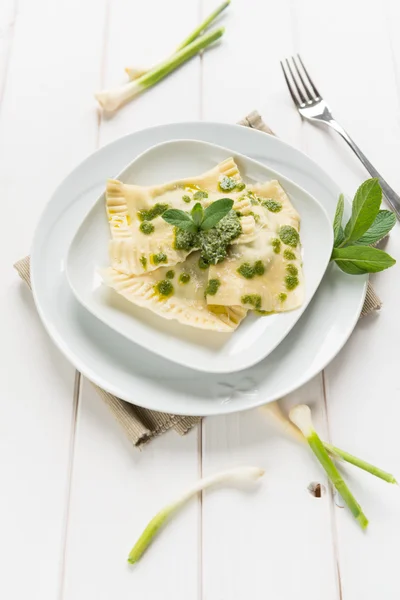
(116, 489)
(44, 130)
(268, 542)
(358, 79)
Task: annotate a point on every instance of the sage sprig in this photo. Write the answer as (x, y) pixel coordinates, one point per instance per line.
(199, 219)
(353, 252)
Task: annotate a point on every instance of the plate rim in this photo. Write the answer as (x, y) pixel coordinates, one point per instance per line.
(192, 364)
(62, 345)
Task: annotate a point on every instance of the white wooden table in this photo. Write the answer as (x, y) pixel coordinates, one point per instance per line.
(74, 493)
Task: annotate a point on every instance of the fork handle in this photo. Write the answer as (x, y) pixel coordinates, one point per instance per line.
(392, 198)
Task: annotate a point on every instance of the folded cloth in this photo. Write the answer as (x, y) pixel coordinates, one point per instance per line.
(141, 424)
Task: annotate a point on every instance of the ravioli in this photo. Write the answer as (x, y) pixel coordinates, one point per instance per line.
(141, 240)
(266, 273)
(176, 293)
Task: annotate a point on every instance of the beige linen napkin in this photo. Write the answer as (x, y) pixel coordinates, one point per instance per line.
(140, 424)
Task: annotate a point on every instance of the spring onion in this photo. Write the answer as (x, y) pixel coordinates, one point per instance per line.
(240, 474)
(135, 72)
(112, 99)
(274, 411)
(300, 415)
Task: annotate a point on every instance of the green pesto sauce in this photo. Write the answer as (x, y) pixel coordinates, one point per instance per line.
(282, 297)
(152, 213)
(146, 227)
(159, 258)
(240, 186)
(238, 213)
(185, 240)
(143, 260)
(200, 195)
(249, 271)
(289, 255)
(184, 278)
(264, 313)
(164, 288)
(272, 205)
(214, 242)
(186, 198)
(276, 244)
(291, 282)
(212, 287)
(252, 299)
(202, 264)
(227, 184)
(253, 198)
(170, 274)
(255, 216)
(289, 236)
(292, 270)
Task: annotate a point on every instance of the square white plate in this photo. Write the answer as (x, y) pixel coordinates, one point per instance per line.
(207, 351)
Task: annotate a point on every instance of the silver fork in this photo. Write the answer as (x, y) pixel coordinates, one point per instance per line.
(313, 107)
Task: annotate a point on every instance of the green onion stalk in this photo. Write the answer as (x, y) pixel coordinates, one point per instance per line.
(301, 416)
(274, 411)
(239, 475)
(134, 72)
(112, 99)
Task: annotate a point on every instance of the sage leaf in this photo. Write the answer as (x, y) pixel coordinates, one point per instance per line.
(337, 222)
(383, 223)
(215, 212)
(357, 260)
(180, 219)
(340, 237)
(365, 209)
(197, 214)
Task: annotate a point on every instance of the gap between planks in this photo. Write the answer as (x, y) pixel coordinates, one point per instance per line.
(10, 34)
(78, 376)
(70, 469)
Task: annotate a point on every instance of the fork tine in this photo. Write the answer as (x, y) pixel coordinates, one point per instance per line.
(316, 92)
(305, 86)
(298, 88)
(291, 90)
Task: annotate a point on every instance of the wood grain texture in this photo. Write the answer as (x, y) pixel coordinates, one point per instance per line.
(77, 494)
(116, 489)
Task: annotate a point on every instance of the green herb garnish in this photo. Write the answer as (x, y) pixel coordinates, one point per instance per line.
(159, 258)
(289, 255)
(143, 261)
(289, 235)
(164, 288)
(227, 184)
(200, 194)
(202, 264)
(282, 297)
(146, 227)
(252, 299)
(276, 244)
(199, 219)
(184, 278)
(212, 287)
(272, 205)
(291, 282)
(292, 270)
(170, 274)
(367, 225)
(249, 271)
(186, 198)
(152, 213)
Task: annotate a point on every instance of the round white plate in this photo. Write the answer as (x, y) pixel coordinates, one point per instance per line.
(135, 374)
(207, 351)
